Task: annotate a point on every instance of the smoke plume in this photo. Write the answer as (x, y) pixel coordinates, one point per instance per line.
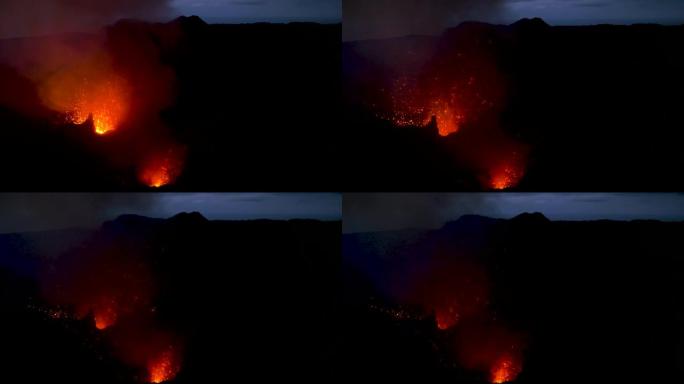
(42, 17)
(390, 211)
(375, 19)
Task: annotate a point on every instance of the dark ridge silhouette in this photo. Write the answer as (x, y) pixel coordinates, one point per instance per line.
(243, 296)
(531, 217)
(534, 23)
(597, 107)
(597, 293)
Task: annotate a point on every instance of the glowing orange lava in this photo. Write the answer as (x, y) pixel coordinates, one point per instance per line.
(505, 177)
(504, 370)
(157, 176)
(105, 318)
(446, 319)
(89, 90)
(413, 112)
(105, 102)
(163, 368)
(448, 119)
(162, 169)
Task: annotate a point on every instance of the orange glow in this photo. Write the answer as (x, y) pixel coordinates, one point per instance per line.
(448, 119)
(105, 317)
(502, 180)
(163, 368)
(162, 169)
(157, 176)
(504, 370)
(104, 102)
(412, 109)
(406, 107)
(446, 319)
(505, 177)
(89, 90)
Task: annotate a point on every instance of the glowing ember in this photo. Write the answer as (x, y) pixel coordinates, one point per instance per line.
(162, 169)
(446, 319)
(105, 318)
(89, 90)
(104, 102)
(448, 120)
(405, 108)
(505, 177)
(411, 108)
(163, 368)
(504, 370)
(157, 176)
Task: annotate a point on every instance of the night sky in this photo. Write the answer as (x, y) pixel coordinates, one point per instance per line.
(390, 211)
(240, 11)
(39, 17)
(364, 19)
(20, 212)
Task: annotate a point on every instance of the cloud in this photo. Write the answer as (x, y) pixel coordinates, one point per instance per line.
(248, 2)
(21, 212)
(40, 17)
(391, 211)
(369, 19)
(362, 212)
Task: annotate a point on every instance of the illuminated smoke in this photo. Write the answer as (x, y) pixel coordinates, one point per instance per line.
(43, 17)
(104, 287)
(492, 349)
(506, 176)
(461, 89)
(105, 314)
(89, 89)
(113, 287)
(162, 168)
(114, 82)
(454, 290)
(373, 19)
(164, 367)
(504, 370)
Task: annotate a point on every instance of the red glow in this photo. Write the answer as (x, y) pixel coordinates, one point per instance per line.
(411, 107)
(504, 370)
(105, 317)
(462, 86)
(507, 172)
(505, 177)
(454, 290)
(163, 368)
(448, 118)
(446, 318)
(492, 348)
(162, 169)
(105, 103)
(89, 89)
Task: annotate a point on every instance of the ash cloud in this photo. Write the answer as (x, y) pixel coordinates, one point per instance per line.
(366, 212)
(41, 17)
(22, 212)
(374, 19)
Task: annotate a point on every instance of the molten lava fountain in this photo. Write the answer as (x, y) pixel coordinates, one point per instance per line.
(505, 177)
(504, 370)
(163, 368)
(162, 168)
(89, 90)
(105, 316)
